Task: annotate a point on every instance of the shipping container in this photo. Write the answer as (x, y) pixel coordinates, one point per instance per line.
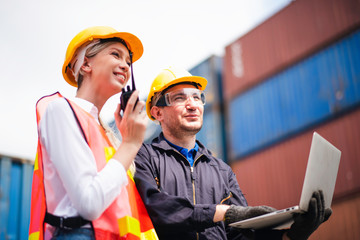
(212, 134)
(295, 32)
(312, 91)
(15, 197)
(211, 69)
(275, 176)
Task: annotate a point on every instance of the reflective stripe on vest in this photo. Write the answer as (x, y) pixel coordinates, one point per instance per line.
(126, 217)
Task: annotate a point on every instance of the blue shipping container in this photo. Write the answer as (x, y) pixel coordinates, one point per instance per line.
(305, 94)
(212, 134)
(211, 69)
(15, 197)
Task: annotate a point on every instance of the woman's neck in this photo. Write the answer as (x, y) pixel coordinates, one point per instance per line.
(91, 96)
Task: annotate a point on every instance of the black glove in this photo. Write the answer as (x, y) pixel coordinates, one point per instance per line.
(238, 213)
(306, 223)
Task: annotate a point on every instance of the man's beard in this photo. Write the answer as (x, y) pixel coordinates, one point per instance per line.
(182, 130)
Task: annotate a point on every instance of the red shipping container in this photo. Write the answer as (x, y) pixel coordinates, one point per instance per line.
(275, 176)
(292, 34)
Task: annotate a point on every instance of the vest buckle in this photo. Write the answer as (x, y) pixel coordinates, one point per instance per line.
(62, 222)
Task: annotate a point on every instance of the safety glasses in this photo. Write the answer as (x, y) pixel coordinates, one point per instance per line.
(180, 97)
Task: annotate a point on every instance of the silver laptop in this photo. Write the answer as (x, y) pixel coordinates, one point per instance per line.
(321, 173)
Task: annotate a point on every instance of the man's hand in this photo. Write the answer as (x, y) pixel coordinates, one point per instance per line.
(238, 213)
(306, 223)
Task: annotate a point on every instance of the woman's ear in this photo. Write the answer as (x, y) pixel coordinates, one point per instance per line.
(86, 67)
(157, 113)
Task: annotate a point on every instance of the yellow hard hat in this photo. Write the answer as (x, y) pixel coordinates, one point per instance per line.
(101, 32)
(169, 77)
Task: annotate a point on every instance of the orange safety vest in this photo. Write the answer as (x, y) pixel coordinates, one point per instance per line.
(125, 218)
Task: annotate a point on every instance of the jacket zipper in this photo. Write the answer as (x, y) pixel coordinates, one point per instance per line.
(193, 179)
(192, 182)
(193, 186)
(192, 176)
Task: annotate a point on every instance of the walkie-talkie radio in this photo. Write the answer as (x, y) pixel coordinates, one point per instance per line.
(125, 94)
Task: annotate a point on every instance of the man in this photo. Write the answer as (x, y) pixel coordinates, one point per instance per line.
(190, 194)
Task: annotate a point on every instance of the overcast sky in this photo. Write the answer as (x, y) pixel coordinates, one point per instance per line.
(35, 35)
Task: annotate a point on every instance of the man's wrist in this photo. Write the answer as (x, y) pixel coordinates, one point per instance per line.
(220, 212)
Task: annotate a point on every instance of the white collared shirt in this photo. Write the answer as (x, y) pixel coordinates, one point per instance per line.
(73, 186)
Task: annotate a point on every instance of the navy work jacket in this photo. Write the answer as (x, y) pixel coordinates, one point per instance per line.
(181, 199)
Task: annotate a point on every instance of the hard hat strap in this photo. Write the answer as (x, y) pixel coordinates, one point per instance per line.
(132, 71)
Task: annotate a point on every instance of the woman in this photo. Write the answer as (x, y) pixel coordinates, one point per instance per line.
(81, 187)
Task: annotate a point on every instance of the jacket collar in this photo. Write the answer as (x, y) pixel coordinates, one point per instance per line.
(160, 142)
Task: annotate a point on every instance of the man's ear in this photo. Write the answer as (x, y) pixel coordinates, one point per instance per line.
(157, 113)
(86, 67)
